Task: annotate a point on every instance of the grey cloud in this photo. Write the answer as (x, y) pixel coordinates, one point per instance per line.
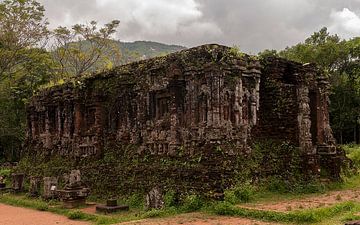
(253, 24)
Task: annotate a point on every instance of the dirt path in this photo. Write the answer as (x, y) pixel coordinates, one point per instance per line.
(310, 202)
(197, 219)
(10, 215)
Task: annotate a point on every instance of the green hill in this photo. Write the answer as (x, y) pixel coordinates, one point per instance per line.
(133, 51)
(129, 52)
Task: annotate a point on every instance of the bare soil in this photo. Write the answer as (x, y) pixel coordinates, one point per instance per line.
(310, 202)
(197, 219)
(10, 215)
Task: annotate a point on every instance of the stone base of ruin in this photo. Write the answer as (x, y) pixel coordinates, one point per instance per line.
(5, 189)
(357, 222)
(111, 209)
(73, 198)
(73, 203)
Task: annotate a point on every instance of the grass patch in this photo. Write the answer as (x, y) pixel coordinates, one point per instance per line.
(301, 216)
(240, 194)
(344, 209)
(161, 212)
(55, 207)
(192, 203)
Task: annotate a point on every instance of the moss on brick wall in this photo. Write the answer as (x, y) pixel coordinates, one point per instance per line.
(119, 172)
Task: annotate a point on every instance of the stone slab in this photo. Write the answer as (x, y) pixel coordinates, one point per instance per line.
(356, 222)
(74, 203)
(111, 209)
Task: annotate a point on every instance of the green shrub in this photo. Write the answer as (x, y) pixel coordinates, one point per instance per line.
(136, 201)
(42, 207)
(170, 199)
(353, 152)
(152, 213)
(76, 215)
(229, 197)
(243, 193)
(192, 203)
(278, 185)
(308, 187)
(5, 172)
(224, 208)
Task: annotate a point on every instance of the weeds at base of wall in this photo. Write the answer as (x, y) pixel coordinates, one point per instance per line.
(135, 201)
(107, 179)
(277, 185)
(240, 194)
(302, 216)
(5, 174)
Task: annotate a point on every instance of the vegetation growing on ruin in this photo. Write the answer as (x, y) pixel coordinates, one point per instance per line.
(139, 171)
(275, 188)
(340, 61)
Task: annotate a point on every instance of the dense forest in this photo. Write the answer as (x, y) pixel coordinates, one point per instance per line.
(33, 57)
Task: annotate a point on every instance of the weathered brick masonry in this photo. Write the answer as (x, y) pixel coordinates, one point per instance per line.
(184, 121)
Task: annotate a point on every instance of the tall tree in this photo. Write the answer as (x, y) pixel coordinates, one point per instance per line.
(22, 28)
(24, 65)
(85, 48)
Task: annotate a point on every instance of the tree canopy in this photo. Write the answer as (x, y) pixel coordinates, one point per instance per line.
(340, 61)
(85, 47)
(27, 62)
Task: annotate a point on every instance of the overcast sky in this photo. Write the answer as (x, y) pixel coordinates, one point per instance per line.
(253, 25)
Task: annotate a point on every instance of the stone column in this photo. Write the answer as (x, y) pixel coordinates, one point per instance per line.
(253, 108)
(50, 187)
(33, 125)
(78, 120)
(215, 100)
(154, 199)
(58, 112)
(99, 118)
(304, 122)
(18, 182)
(74, 178)
(47, 122)
(34, 188)
(324, 132)
(174, 121)
(238, 101)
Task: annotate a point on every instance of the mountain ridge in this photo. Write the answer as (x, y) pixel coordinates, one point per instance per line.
(139, 50)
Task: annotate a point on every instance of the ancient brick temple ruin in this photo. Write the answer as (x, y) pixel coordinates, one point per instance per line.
(196, 102)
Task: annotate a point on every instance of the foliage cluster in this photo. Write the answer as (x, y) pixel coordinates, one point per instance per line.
(240, 194)
(340, 61)
(298, 217)
(31, 56)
